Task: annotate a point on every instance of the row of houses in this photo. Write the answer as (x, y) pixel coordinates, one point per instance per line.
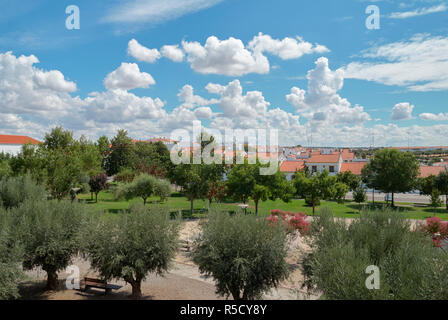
(334, 161)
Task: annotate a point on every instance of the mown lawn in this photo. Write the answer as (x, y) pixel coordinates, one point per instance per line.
(177, 202)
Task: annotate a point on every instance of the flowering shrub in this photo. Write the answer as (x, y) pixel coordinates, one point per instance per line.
(292, 221)
(437, 229)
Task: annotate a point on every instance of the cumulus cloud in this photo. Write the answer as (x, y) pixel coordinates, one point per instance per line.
(402, 111)
(121, 106)
(286, 49)
(173, 53)
(226, 57)
(27, 89)
(127, 77)
(321, 102)
(190, 100)
(420, 64)
(434, 117)
(141, 53)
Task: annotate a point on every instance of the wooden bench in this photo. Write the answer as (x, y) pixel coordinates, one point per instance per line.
(99, 284)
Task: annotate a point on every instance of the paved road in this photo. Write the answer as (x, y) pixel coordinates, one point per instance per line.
(399, 197)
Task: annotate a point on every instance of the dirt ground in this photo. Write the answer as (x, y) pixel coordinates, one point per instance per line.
(182, 282)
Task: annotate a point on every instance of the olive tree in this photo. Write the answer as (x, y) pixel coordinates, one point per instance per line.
(50, 235)
(11, 255)
(144, 186)
(132, 245)
(244, 254)
(410, 266)
(15, 190)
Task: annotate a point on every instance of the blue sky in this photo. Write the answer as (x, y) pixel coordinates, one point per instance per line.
(296, 66)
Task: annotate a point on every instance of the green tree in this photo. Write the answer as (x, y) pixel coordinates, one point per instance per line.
(163, 189)
(338, 191)
(143, 186)
(58, 138)
(132, 246)
(50, 235)
(121, 153)
(244, 255)
(435, 200)
(427, 185)
(349, 179)
(16, 190)
(441, 183)
(393, 171)
(11, 256)
(359, 195)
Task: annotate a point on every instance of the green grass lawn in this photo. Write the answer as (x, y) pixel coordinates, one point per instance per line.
(177, 202)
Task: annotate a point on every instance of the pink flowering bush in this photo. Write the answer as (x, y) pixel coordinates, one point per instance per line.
(292, 221)
(437, 229)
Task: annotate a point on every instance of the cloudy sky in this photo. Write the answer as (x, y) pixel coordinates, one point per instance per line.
(311, 69)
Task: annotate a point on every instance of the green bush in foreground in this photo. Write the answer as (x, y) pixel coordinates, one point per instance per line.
(130, 246)
(244, 254)
(15, 190)
(11, 255)
(410, 267)
(49, 231)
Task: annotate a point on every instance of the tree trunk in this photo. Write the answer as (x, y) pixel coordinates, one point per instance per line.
(191, 206)
(96, 197)
(52, 281)
(256, 207)
(313, 207)
(144, 201)
(136, 290)
(91, 196)
(446, 201)
(236, 295)
(373, 196)
(393, 201)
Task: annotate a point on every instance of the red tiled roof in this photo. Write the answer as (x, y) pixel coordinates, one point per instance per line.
(324, 158)
(426, 171)
(292, 166)
(347, 155)
(353, 167)
(10, 139)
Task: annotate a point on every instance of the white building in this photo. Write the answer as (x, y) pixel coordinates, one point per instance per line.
(13, 144)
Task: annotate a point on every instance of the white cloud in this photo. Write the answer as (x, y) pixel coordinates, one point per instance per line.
(142, 53)
(27, 89)
(127, 77)
(155, 11)
(203, 113)
(190, 100)
(286, 49)
(402, 111)
(321, 102)
(173, 53)
(227, 57)
(434, 117)
(120, 106)
(418, 12)
(421, 64)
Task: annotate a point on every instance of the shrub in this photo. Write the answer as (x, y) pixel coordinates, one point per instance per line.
(410, 268)
(15, 190)
(292, 221)
(163, 189)
(132, 245)
(125, 176)
(437, 229)
(11, 255)
(98, 183)
(244, 254)
(50, 235)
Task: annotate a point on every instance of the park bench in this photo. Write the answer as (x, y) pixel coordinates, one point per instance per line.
(99, 284)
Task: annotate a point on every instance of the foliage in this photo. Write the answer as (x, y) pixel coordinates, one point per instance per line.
(98, 183)
(126, 175)
(11, 255)
(392, 171)
(132, 245)
(441, 183)
(120, 153)
(437, 229)
(291, 221)
(50, 235)
(5, 169)
(359, 195)
(435, 199)
(338, 191)
(144, 186)
(244, 254)
(410, 268)
(15, 190)
(349, 179)
(163, 189)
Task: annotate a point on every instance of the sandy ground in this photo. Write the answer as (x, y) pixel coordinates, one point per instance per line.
(182, 282)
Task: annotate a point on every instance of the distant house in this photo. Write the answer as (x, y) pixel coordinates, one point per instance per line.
(353, 167)
(289, 168)
(13, 144)
(168, 142)
(426, 171)
(320, 162)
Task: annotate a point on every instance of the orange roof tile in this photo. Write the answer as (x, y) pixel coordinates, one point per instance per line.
(324, 158)
(292, 166)
(353, 167)
(426, 171)
(10, 139)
